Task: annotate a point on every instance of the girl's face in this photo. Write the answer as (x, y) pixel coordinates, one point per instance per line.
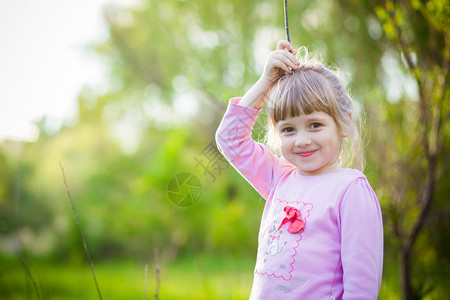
(311, 142)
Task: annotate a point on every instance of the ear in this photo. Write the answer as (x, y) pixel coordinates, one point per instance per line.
(344, 132)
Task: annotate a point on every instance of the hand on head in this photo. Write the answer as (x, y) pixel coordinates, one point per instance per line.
(279, 62)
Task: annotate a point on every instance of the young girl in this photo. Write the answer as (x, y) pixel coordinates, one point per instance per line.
(321, 233)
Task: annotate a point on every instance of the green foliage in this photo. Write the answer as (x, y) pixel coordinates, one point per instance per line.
(173, 66)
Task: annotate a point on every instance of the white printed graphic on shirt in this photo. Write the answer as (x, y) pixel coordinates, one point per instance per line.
(274, 245)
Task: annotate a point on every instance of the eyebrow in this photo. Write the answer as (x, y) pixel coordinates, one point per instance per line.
(315, 119)
(307, 119)
(283, 123)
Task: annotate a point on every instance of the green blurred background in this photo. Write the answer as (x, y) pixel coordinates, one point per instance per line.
(173, 65)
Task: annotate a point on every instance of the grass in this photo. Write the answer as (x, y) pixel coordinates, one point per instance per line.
(199, 277)
(204, 276)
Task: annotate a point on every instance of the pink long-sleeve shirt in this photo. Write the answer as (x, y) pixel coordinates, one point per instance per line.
(339, 252)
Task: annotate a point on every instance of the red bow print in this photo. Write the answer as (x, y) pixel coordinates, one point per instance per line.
(294, 216)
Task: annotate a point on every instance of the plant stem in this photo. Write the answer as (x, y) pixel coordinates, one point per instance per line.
(157, 270)
(145, 282)
(21, 255)
(28, 272)
(91, 263)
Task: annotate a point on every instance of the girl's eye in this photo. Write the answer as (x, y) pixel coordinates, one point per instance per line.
(315, 126)
(287, 130)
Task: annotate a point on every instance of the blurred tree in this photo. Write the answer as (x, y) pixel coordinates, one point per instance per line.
(173, 66)
(414, 164)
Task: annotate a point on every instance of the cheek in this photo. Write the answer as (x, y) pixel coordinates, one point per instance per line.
(286, 145)
(335, 143)
(330, 139)
(284, 141)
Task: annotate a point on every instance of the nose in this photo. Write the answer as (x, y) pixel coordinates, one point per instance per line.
(302, 140)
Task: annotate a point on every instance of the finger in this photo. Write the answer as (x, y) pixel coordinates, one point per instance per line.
(288, 58)
(282, 62)
(284, 45)
(280, 66)
(293, 58)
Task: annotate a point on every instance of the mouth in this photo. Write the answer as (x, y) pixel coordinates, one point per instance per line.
(306, 153)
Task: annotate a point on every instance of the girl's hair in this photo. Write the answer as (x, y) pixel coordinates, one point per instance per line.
(314, 87)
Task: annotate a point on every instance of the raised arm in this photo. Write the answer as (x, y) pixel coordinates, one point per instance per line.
(254, 161)
(280, 61)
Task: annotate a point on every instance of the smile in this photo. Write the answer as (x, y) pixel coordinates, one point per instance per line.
(306, 153)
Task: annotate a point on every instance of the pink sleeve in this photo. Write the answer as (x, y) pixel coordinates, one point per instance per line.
(361, 229)
(253, 160)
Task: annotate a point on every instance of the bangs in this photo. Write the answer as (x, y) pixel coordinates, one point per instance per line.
(300, 93)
